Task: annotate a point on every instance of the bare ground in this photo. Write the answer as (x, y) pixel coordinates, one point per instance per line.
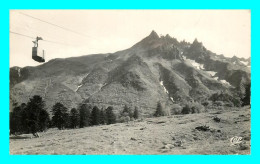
(164, 135)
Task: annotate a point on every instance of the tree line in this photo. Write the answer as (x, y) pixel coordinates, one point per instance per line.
(82, 117)
(33, 116)
(29, 118)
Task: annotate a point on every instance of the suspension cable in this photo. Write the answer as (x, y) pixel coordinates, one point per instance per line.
(34, 38)
(64, 28)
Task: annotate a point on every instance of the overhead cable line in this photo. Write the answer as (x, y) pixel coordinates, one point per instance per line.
(34, 38)
(64, 28)
(50, 41)
(33, 31)
(22, 35)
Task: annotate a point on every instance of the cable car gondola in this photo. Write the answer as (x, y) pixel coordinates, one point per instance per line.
(35, 51)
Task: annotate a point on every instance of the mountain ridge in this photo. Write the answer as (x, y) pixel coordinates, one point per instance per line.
(154, 69)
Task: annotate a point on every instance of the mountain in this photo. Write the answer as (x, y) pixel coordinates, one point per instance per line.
(154, 69)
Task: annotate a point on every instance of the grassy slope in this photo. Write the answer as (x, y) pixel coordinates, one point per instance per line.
(151, 136)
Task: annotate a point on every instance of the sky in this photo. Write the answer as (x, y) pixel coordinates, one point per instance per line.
(85, 32)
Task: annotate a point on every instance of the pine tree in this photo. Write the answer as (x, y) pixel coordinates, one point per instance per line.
(241, 89)
(111, 117)
(95, 116)
(136, 113)
(60, 116)
(127, 112)
(74, 118)
(36, 115)
(102, 117)
(24, 116)
(247, 98)
(84, 113)
(16, 125)
(44, 120)
(126, 109)
(159, 111)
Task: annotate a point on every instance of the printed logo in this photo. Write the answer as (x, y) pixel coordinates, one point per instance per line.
(235, 140)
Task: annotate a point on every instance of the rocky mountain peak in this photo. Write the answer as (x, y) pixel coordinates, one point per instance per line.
(148, 41)
(196, 42)
(196, 46)
(234, 57)
(153, 35)
(167, 36)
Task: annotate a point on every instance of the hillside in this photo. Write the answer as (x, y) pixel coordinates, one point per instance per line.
(154, 69)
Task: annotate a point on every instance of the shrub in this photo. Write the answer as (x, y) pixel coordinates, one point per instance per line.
(218, 103)
(197, 108)
(124, 119)
(226, 97)
(220, 108)
(176, 109)
(111, 117)
(186, 109)
(127, 111)
(193, 107)
(159, 111)
(229, 104)
(205, 103)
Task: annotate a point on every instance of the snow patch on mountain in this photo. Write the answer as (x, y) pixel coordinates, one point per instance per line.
(78, 87)
(19, 72)
(172, 99)
(222, 81)
(103, 85)
(165, 90)
(244, 62)
(225, 82)
(194, 63)
(212, 73)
